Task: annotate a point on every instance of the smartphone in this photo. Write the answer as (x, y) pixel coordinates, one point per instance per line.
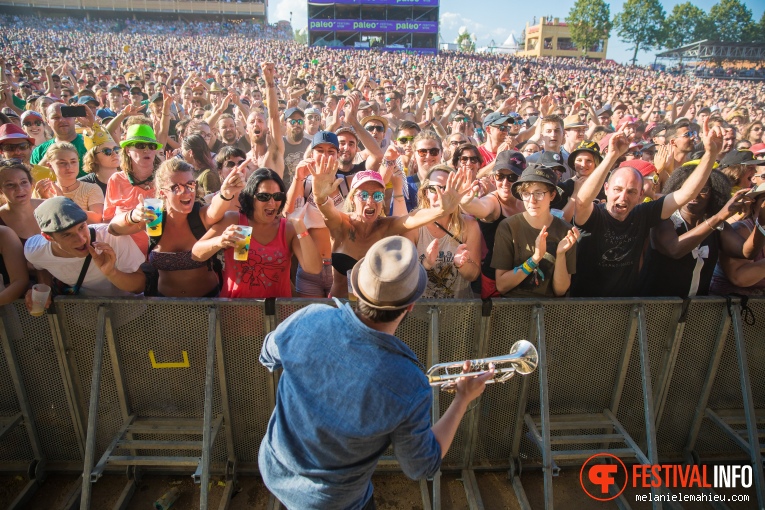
(73, 111)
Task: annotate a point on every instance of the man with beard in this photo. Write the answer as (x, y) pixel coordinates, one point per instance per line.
(228, 135)
(394, 114)
(264, 154)
(295, 144)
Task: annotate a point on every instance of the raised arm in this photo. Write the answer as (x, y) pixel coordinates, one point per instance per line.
(369, 142)
(323, 173)
(617, 146)
(698, 179)
(275, 152)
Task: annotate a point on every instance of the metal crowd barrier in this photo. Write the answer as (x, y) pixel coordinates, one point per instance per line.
(174, 385)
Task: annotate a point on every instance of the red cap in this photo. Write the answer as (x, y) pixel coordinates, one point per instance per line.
(758, 148)
(11, 131)
(644, 167)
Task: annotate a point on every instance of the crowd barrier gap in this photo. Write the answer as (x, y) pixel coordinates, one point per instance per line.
(139, 385)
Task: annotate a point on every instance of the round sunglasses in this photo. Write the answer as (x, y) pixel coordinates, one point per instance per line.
(377, 196)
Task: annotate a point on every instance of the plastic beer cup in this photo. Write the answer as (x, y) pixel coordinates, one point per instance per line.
(154, 227)
(40, 293)
(242, 248)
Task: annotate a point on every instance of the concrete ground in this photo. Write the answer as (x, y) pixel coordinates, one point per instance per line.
(392, 491)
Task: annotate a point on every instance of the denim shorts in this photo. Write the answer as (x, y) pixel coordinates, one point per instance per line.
(315, 284)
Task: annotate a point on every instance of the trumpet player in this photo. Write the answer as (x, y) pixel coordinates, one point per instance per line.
(350, 389)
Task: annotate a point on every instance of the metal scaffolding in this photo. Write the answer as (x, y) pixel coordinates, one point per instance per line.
(716, 50)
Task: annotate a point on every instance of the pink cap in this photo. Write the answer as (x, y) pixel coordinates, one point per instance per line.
(11, 131)
(644, 167)
(603, 143)
(627, 120)
(366, 176)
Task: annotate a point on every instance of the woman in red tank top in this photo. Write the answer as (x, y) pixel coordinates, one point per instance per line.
(266, 272)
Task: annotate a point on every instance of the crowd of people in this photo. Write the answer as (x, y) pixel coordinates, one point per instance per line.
(512, 177)
(149, 158)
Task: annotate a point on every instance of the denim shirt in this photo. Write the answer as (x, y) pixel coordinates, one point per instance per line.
(347, 392)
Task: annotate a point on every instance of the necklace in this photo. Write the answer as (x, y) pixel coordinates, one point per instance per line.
(72, 186)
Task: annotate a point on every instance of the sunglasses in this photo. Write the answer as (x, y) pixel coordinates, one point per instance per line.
(377, 196)
(760, 176)
(313, 117)
(292, 122)
(109, 152)
(142, 146)
(434, 187)
(10, 147)
(464, 120)
(689, 134)
(265, 197)
(654, 179)
(372, 129)
(180, 189)
(231, 164)
(10, 162)
(389, 99)
(469, 159)
(502, 127)
(403, 140)
(499, 177)
(434, 151)
(33, 123)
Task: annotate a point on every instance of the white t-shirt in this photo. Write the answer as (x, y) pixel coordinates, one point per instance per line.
(38, 252)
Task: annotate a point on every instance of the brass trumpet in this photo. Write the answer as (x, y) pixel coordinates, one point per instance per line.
(523, 358)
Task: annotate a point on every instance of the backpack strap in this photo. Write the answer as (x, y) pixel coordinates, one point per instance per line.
(196, 224)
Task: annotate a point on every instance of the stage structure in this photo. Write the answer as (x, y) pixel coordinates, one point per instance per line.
(397, 25)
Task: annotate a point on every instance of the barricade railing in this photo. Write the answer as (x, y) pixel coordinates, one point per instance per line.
(175, 385)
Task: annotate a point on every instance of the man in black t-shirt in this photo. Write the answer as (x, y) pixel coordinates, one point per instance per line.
(614, 233)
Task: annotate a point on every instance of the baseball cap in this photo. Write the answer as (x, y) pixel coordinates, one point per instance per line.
(552, 160)
(291, 111)
(87, 99)
(606, 110)
(58, 214)
(644, 167)
(757, 149)
(496, 119)
(737, 157)
(510, 160)
(366, 176)
(11, 131)
(322, 137)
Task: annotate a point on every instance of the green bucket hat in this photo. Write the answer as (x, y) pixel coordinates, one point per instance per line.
(140, 133)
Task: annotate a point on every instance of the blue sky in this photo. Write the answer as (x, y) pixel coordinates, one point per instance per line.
(497, 19)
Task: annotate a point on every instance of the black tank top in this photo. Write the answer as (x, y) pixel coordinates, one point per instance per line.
(489, 230)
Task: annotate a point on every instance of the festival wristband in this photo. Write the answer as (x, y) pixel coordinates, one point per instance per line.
(304, 234)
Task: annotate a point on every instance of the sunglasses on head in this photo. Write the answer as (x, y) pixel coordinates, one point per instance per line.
(372, 129)
(377, 196)
(142, 146)
(33, 123)
(109, 152)
(433, 151)
(499, 177)
(265, 197)
(180, 189)
(10, 147)
(292, 122)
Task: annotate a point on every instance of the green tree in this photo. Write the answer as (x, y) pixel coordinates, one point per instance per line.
(685, 25)
(465, 41)
(301, 36)
(759, 30)
(589, 22)
(732, 21)
(641, 23)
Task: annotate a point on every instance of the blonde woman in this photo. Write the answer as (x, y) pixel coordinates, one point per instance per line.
(449, 245)
(102, 159)
(34, 126)
(64, 160)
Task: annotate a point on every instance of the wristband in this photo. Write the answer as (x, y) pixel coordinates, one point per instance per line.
(129, 217)
(304, 234)
(224, 198)
(398, 196)
(325, 201)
